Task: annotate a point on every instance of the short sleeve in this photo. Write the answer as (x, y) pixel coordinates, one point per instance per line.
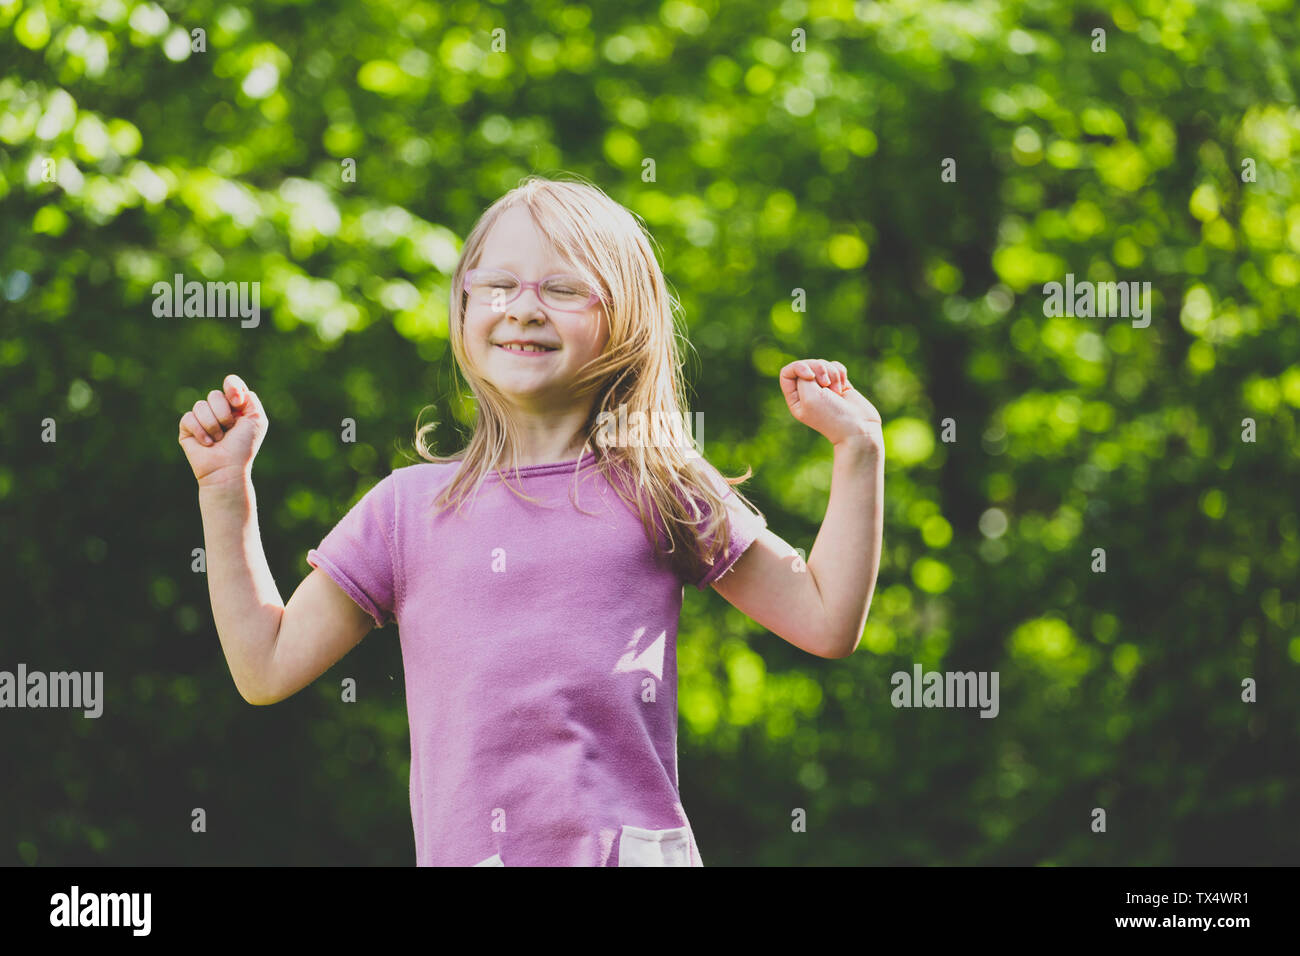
(358, 553)
(744, 525)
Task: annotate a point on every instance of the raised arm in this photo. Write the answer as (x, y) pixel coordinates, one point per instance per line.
(273, 650)
(821, 606)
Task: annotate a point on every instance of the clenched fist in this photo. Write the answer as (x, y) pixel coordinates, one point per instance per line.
(222, 434)
(819, 395)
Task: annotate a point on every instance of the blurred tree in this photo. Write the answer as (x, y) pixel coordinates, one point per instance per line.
(915, 173)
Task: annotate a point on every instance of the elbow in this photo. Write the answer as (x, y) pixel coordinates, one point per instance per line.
(260, 685)
(840, 652)
(827, 650)
(849, 642)
(256, 696)
(845, 647)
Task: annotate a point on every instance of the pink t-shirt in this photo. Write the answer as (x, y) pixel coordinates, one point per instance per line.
(540, 651)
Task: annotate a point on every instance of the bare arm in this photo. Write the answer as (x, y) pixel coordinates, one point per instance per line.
(821, 607)
(273, 649)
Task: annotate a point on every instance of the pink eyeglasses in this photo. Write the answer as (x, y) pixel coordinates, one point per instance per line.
(498, 288)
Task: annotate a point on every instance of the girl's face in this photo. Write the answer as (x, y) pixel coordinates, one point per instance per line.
(530, 378)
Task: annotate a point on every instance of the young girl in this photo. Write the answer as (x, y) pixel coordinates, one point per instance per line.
(537, 576)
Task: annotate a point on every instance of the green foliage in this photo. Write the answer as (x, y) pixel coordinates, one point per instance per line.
(775, 170)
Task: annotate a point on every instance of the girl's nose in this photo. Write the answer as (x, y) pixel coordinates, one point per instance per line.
(527, 306)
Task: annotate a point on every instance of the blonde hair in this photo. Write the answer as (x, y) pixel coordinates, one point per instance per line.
(640, 368)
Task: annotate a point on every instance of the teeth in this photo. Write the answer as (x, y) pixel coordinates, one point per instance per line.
(525, 348)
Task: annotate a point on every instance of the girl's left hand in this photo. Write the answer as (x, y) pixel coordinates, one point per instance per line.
(819, 395)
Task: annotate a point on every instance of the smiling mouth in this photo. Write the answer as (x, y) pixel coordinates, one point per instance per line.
(526, 350)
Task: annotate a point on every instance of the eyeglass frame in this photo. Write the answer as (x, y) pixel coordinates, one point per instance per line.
(537, 288)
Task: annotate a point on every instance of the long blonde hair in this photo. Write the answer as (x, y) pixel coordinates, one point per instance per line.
(640, 369)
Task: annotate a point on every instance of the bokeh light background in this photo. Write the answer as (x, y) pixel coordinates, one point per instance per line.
(782, 160)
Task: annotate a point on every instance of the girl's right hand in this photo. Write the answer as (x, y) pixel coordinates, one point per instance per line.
(222, 434)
